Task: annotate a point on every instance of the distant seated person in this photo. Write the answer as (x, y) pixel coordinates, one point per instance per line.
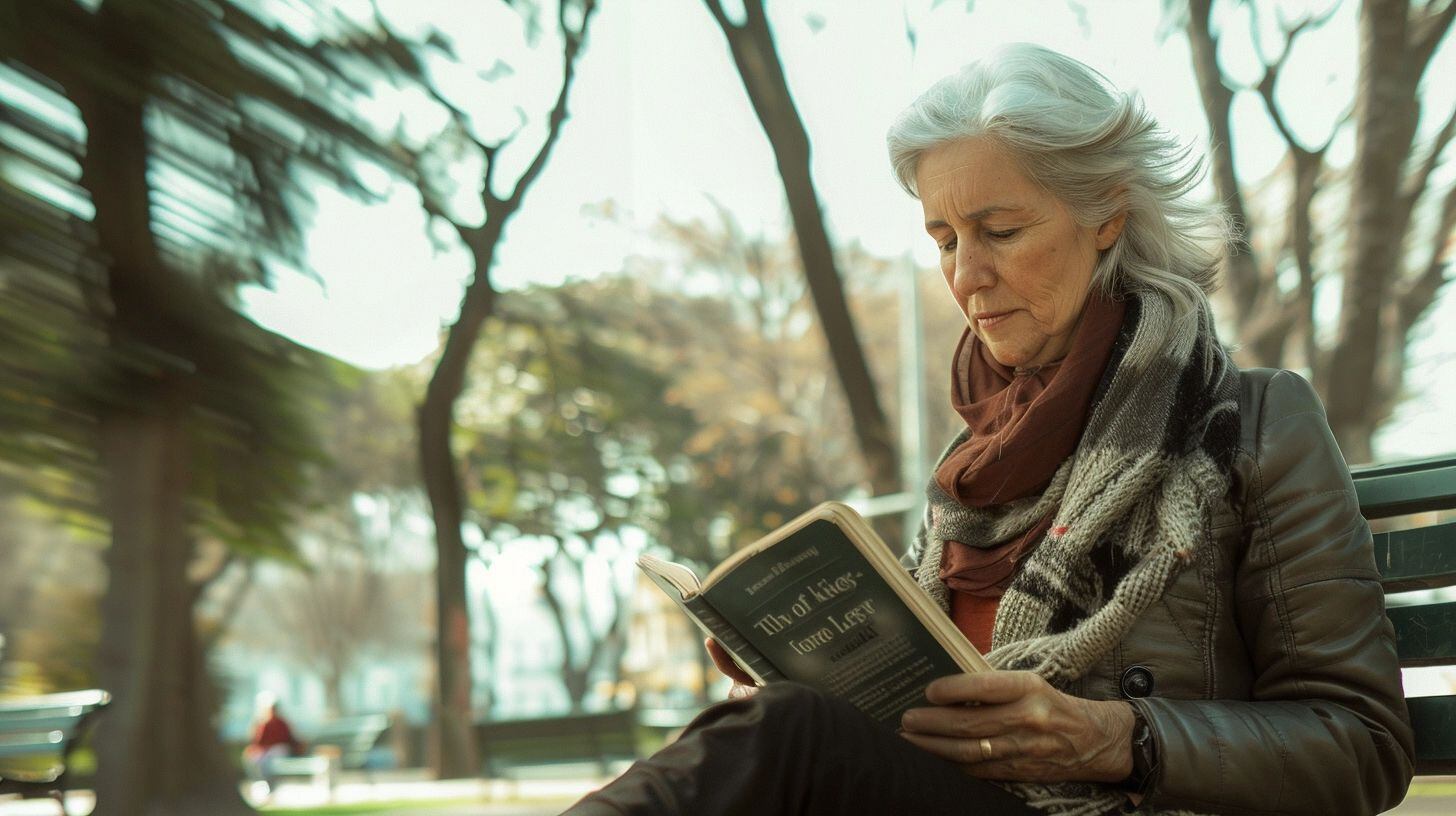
(272, 739)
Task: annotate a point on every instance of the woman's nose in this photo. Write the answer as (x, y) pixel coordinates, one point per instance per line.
(973, 272)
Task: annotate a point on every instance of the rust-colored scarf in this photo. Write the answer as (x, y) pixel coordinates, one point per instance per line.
(1023, 425)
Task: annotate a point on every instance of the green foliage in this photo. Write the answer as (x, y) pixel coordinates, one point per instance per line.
(242, 118)
(60, 656)
(566, 430)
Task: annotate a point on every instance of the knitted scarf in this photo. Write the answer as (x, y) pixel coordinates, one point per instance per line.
(1130, 507)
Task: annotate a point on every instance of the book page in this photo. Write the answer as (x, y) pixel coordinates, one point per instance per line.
(680, 585)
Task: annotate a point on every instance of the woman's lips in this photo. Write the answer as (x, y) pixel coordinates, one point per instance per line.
(987, 320)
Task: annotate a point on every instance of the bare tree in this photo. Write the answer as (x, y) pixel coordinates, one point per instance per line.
(605, 646)
(756, 56)
(436, 413)
(1361, 374)
(345, 603)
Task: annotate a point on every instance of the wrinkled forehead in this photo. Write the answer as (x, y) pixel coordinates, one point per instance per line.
(970, 175)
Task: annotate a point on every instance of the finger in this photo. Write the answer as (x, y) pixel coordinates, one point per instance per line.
(953, 749)
(739, 691)
(983, 687)
(726, 664)
(970, 752)
(956, 721)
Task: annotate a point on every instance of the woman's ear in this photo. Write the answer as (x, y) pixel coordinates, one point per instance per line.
(1111, 229)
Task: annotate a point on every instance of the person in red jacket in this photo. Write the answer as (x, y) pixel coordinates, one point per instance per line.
(273, 738)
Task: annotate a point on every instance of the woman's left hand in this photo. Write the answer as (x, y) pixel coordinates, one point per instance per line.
(1015, 726)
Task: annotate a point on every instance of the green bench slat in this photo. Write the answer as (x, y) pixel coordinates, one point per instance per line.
(554, 740)
(1408, 487)
(354, 736)
(1434, 719)
(37, 725)
(1425, 635)
(40, 745)
(1423, 558)
(51, 702)
(43, 728)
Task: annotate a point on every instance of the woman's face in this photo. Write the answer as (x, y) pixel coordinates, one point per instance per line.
(1018, 265)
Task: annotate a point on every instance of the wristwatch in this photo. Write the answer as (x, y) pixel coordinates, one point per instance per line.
(1144, 755)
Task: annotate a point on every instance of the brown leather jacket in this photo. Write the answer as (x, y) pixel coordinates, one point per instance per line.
(1268, 672)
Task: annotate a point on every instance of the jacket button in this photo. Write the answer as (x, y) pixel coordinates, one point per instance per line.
(1137, 681)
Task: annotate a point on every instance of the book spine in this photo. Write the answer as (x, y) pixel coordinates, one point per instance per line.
(735, 643)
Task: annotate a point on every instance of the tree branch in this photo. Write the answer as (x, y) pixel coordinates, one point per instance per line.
(230, 609)
(1418, 296)
(200, 586)
(1427, 31)
(1416, 185)
(461, 121)
(1272, 69)
(716, 9)
(557, 118)
(1290, 30)
(1242, 268)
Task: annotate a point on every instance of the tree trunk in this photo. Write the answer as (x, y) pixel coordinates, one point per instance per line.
(334, 691)
(457, 756)
(754, 52)
(490, 645)
(156, 752)
(1241, 270)
(1386, 112)
(573, 679)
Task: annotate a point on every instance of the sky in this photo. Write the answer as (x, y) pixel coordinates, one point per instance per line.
(660, 125)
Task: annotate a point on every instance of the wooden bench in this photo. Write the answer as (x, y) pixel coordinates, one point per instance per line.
(1418, 558)
(38, 736)
(511, 749)
(343, 744)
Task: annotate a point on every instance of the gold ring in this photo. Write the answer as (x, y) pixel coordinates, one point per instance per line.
(985, 748)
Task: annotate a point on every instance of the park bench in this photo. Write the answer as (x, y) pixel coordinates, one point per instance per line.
(1422, 557)
(38, 736)
(512, 749)
(343, 744)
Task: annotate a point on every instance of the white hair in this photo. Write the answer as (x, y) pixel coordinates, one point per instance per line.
(1096, 149)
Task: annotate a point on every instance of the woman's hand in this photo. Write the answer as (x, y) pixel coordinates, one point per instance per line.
(1015, 726)
(743, 685)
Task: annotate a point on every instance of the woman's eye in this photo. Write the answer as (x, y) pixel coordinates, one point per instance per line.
(1003, 234)
(948, 245)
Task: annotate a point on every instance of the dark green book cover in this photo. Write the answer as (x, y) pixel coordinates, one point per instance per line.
(818, 605)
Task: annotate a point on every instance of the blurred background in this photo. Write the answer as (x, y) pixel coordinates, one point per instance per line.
(350, 352)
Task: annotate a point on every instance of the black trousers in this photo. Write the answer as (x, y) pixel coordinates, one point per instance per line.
(791, 750)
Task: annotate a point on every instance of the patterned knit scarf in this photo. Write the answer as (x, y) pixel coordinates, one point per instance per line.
(1130, 506)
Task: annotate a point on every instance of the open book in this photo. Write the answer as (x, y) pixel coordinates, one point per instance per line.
(822, 601)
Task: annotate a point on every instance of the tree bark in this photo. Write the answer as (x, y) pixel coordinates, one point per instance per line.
(1386, 112)
(157, 754)
(1361, 375)
(1242, 272)
(573, 678)
(755, 54)
(457, 754)
(454, 712)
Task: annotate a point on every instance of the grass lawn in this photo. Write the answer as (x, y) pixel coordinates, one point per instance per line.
(1444, 787)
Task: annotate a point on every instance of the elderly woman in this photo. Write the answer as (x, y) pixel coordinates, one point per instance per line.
(1161, 554)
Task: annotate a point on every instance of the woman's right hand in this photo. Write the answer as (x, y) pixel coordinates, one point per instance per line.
(743, 685)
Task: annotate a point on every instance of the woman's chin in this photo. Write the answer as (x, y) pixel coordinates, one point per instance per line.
(1008, 355)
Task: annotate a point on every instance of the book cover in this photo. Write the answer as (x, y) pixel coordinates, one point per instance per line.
(822, 601)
